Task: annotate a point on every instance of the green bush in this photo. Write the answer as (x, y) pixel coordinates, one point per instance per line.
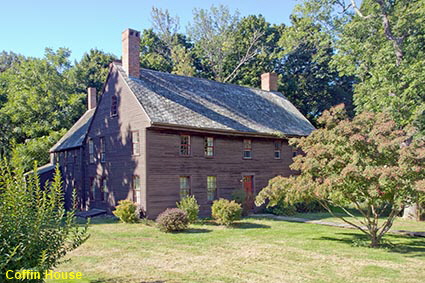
(190, 206)
(311, 206)
(282, 209)
(226, 212)
(126, 211)
(35, 230)
(172, 219)
(239, 196)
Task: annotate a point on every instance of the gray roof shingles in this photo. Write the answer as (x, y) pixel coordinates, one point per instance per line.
(76, 135)
(201, 103)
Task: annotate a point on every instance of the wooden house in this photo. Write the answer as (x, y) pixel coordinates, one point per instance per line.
(156, 137)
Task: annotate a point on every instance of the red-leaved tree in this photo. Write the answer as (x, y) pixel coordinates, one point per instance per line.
(367, 163)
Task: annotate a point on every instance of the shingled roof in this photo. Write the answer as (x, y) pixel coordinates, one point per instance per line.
(76, 135)
(200, 103)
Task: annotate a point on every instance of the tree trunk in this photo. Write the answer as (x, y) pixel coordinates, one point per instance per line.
(375, 240)
(411, 212)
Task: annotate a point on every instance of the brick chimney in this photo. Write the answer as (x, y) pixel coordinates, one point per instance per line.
(269, 81)
(131, 52)
(91, 98)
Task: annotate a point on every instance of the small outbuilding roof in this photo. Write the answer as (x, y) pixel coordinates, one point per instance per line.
(76, 135)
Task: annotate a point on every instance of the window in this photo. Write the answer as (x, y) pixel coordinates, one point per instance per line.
(75, 157)
(211, 187)
(136, 190)
(92, 189)
(114, 106)
(247, 149)
(184, 186)
(136, 142)
(277, 148)
(209, 146)
(91, 151)
(102, 149)
(104, 190)
(184, 145)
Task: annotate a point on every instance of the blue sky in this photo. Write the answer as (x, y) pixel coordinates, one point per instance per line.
(28, 26)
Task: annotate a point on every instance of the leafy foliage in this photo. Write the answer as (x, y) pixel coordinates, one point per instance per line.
(367, 162)
(172, 220)
(35, 231)
(190, 206)
(226, 212)
(126, 211)
(91, 70)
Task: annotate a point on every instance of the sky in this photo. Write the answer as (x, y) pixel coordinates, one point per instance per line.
(27, 27)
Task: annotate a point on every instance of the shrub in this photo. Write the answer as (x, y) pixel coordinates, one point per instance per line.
(126, 211)
(226, 212)
(191, 207)
(311, 206)
(239, 196)
(172, 219)
(282, 209)
(35, 230)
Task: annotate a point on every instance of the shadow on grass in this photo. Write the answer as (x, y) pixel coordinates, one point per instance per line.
(249, 225)
(195, 231)
(97, 220)
(414, 247)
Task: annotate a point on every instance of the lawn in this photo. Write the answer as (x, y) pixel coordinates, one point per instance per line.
(399, 223)
(255, 250)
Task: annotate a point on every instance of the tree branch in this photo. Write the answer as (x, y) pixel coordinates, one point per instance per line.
(397, 41)
(357, 10)
(249, 54)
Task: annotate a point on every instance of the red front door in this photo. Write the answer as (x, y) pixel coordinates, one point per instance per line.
(248, 187)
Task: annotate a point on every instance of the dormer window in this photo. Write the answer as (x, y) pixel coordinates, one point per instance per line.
(114, 106)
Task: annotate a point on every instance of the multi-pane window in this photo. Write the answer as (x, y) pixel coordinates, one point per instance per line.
(211, 187)
(247, 149)
(102, 149)
(104, 190)
(91, 151)
(114, 106)
(209, 146)
(184, 145)
(135, 139)
(137, 197)
(92, 189)
(184, 186)
(277, 149)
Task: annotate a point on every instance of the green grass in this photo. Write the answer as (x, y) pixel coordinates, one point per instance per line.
(399, 223)
(255, 250)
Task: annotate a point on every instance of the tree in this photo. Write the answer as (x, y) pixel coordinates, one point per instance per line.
(308, 78)
(91, 70)
(255, 51)
(368, 163)
(213, 32)
(379, 42)
(40, 99)
(7, 59)
(163, 48)
(35, 231)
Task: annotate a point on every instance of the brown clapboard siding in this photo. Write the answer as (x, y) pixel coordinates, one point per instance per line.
(165, 165)
(120, 165)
